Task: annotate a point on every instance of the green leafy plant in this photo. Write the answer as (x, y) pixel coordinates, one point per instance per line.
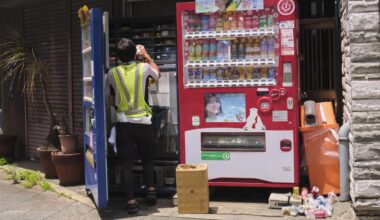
(12, 173)
(31, 178)
(46, 186)
(3, 161)
(23, 69)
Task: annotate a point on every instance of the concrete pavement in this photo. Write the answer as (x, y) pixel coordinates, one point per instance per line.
(19, 203)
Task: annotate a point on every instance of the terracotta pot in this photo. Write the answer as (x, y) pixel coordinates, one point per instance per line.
(68, 143)
(70, 168)
(47, 163)
(7, 146)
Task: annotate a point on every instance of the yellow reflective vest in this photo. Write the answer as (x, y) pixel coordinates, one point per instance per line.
(129, 82)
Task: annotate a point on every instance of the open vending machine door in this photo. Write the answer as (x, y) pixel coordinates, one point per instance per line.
(94, 35)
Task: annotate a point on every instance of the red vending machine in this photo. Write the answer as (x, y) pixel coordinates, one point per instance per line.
(238, 90)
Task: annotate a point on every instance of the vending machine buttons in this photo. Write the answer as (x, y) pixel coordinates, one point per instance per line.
(274, 94)
(286, 145)
(282, 92)
(289, 103)
(265, 104)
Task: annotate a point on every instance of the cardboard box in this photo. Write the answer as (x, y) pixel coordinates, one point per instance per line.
(277, 200)
(192, 188)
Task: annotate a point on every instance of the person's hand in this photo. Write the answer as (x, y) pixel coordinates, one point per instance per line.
(141, 51)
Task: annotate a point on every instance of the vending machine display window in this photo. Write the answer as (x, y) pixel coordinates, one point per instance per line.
(230, 48)
(224, 107)
(233, 142)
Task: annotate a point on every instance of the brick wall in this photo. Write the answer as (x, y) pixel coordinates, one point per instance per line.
(361, 97)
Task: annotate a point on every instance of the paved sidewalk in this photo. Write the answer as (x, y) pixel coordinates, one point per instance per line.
(19, 203)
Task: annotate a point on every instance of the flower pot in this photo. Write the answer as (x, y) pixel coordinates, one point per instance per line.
(47, 163)
(69, 167)
(7, 146)
(68, 143)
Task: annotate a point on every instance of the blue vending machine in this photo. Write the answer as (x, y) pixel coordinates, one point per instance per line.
(94, 25)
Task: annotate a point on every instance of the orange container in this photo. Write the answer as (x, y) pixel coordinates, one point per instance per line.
(321, 145)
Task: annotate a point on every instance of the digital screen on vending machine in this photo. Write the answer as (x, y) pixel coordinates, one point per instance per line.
(224, 107)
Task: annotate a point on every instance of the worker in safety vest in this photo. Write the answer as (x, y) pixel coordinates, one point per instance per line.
(126, 87)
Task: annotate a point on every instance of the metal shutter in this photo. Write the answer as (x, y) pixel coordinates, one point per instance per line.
(77, 61)
(45, 28)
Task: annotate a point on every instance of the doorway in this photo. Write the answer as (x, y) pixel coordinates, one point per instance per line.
(320, 78)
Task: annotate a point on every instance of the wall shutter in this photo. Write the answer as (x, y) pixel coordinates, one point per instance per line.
(45, 29)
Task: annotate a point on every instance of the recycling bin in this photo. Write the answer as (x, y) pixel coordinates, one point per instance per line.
(321, 145)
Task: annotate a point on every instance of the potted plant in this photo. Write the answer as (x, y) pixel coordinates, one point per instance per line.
(22, 68)
(69, 161)
(67, 141)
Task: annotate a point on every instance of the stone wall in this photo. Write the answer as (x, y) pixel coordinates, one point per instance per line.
(361, 91)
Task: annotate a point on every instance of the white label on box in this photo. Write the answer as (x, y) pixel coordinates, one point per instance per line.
(280, 116)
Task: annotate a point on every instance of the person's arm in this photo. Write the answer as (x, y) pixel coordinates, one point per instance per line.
(142, 52)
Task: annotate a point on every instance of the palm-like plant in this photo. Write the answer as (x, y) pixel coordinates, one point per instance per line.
(22, 69)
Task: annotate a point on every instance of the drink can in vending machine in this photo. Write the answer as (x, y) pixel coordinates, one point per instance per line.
(235, 73)
(256, 49)
(264, 73)
(190, 22)
(186, 50)
(249, 72)
(272, 73)
(219, 51)
(219, 73)
(212, 22)
(240, 23)
(227, 73)
(255, 22)
(206, 75)
(205, 49)
(226, 22)
(234, 21)
(270, 21)
(212, 73)
(198, 74)
(191, 50)
(256, 74)
(248, 20)
(197, 23)
(219, 22)
(263, 48)
(242, 49)
(241, 73)
(271, 53)
(235, 50)
(205, 22)
(263, 21)
(212, 49)
(191, 73)
(198, 50)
